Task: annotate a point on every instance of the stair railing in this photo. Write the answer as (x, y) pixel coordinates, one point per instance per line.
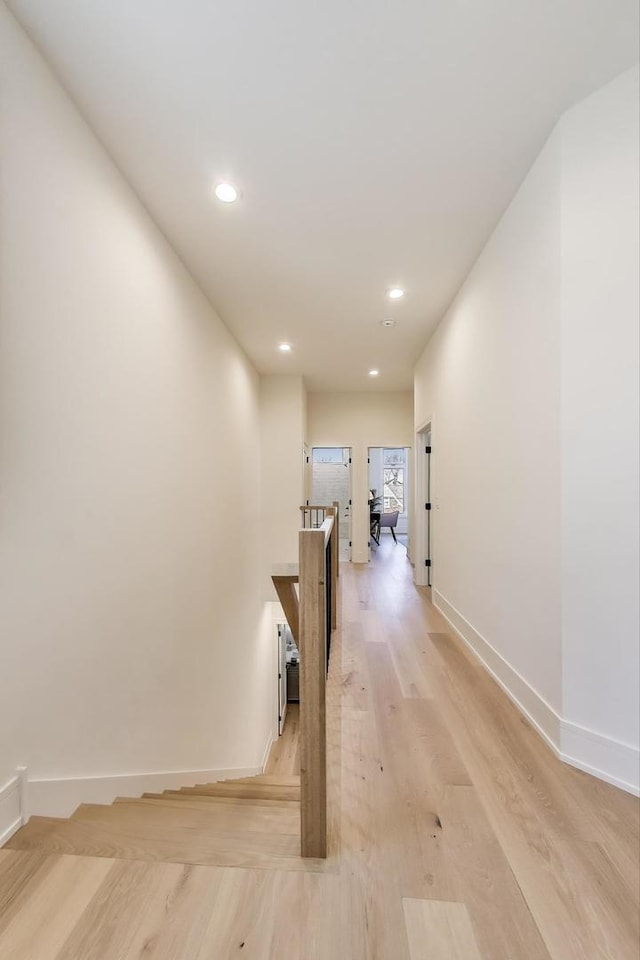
(311, 613)
(318, 554)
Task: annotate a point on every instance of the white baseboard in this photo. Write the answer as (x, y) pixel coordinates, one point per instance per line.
(60, 797)
(540, 714)
(10, 809)
(267, 751)
(608, 759)
(603, 757)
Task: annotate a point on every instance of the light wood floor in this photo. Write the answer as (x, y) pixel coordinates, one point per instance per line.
(455, 833)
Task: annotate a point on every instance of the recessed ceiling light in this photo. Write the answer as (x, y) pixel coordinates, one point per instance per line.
(395, 293)
(388, 322)
(374, 373)
(284, 348)
(226, 192)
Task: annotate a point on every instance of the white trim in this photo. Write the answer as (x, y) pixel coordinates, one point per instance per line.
(267, 751)
(603, 757)
(10, 809)
(23, 782)
(421, 576)
(60, 797)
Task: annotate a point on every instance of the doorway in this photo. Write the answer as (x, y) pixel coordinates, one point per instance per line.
(390, 488)
(331, 481)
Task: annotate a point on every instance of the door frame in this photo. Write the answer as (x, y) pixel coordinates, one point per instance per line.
(424, 493)
(282, 697)
(409, 481)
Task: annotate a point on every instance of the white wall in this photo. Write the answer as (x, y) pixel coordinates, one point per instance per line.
(490, 381)
(283, 416)
(535, 358)
(130, 504)
(360, 421)
(600, 418)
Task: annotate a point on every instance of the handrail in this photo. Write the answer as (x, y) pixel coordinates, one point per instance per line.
(322, 511)
(318, 587)
(312, 616)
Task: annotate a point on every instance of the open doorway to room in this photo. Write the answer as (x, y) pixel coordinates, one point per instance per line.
(424, 507)
(284, 756)
(389, 494)
(331, 481)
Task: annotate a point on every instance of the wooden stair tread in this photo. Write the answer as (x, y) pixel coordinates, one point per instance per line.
(268, 779)
(177, 813)
(153, 842)
(249, 790)
(204, 799)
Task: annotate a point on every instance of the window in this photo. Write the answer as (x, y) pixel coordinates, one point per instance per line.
(393, 488)
(393, 467)
(393, 456)
(330, 455)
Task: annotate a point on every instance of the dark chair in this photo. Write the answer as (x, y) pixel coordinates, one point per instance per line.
(389, 520)
(374, 525)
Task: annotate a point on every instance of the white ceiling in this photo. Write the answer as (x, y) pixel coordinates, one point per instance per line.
(375, 143)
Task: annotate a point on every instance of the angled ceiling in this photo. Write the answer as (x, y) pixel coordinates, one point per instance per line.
(375, 144)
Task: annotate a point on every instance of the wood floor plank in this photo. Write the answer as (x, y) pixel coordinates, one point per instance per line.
(354, 678)
(410, 670)
(580, 890)
(53, 909)
(244, 919)
(438, 930)
(20, 873)
(370, 917)
(372, 627)
(434, 744)
(412, 842)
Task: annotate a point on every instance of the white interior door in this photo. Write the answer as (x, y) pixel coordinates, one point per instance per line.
(331, 481)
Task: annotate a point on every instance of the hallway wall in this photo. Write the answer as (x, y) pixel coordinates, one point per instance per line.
(130, 510)
(600, 402)
(535, 524)
(282, 436)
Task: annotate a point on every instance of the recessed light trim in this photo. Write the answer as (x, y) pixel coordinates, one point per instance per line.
(374, 373)
(226, 192)
(284, 347)
(395, 293)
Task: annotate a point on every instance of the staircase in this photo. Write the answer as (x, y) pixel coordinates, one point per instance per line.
(260, 822)
(248, 822)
